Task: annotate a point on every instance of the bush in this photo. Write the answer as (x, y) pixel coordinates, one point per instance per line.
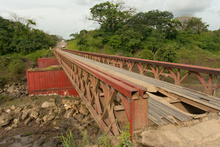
(16, 69)
(167, 53)
(146, 54)
(39, 54)
(115, 42)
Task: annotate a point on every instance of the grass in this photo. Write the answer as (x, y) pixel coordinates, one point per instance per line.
(68, 140)
(103, 141)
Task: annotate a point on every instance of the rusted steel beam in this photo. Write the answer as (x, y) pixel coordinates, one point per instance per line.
(141, 89)
(101, 93)
(153, 67)
(206, 70)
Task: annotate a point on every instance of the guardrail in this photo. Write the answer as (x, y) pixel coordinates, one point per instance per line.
(158, 68)
(112, 101)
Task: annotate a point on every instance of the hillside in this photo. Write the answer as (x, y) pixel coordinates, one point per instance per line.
(155, 35)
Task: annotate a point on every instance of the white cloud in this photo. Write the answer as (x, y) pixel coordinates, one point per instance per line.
(182, 7)
(63, 17)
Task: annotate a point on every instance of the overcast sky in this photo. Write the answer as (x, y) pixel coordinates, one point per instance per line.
(64, 17)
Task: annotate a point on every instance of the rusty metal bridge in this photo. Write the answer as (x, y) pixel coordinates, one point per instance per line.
(116, 97)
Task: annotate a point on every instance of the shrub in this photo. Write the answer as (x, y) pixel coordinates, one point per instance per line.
(167, 53)
(146, 54)
(16, 69)
(39, 54)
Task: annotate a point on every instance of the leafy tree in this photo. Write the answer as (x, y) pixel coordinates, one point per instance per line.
(196, 25)
(115, 42)
(167, 53)
(155, 41)
(111, 16)
(18, 36)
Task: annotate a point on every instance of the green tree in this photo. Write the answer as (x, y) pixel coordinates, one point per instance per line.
(167, 53)
(155, 41)
(196, 25)
(111, 16)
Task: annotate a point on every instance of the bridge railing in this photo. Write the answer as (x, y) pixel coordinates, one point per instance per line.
(113, 102)
(178, 72)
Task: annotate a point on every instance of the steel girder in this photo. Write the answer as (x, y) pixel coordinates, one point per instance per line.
(178, 72)
(113, 102)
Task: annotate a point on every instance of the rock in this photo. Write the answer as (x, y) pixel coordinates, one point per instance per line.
(18, 110)
(34, 114)
(13, 107)
(5, 119)
(1, 110)
(68, 113)
(11, 88)
(61, 111)
(31, 123)
(76, 102)
(165, 138)
(8, 111)
(48, 117)
(25, 114)
(83, 110)
(38, 121)
(16, 121)
(8, 128)
(27, 121)
(79, 117)
(67, 106)
(47, 104)
(14, 126)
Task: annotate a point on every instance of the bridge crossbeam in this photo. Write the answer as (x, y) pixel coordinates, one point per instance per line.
(113, 102)
(178, 72)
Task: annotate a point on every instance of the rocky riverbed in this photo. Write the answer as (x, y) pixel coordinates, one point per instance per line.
(41, 121)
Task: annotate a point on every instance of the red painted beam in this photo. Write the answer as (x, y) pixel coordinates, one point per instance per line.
(207, 70)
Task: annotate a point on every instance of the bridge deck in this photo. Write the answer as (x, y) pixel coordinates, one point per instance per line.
(158, 110)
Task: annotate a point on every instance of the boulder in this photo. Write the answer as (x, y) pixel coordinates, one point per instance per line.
(27, 121)
(5, 119)
(16, 121)
(69, 113)
(47, 104)
(8, 128)
(48, 117)
(34, 114)
(14, 126)
(8, 111)
(38, 121)
(25, 114)
(67, 106)
(11, 89)
(18, 110)
(83, 110)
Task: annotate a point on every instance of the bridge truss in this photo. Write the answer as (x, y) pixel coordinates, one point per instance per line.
(113, 102)
(178, 72)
